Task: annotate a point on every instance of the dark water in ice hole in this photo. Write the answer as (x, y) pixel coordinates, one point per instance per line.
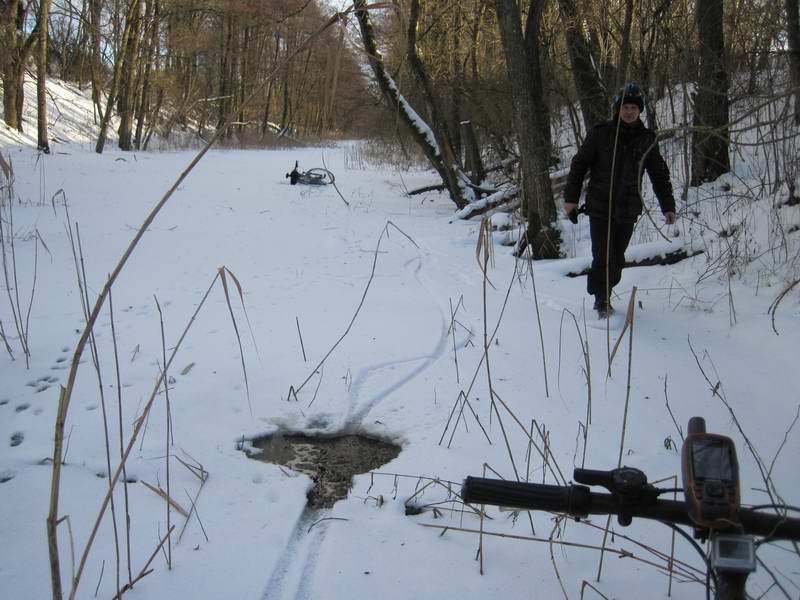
(330, 461)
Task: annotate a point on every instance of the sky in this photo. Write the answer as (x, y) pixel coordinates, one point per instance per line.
(387, 293)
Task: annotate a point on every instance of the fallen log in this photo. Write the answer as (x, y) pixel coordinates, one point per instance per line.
(668, 258)
(486, 204)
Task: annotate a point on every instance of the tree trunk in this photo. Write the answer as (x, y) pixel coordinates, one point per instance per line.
(41, 78)
(225, 83)
(588, 83)
(537, 193)
(265, 125)
(15, 48)
(437, 122)
(625, 46)
(420, 131)
(128, 77)
(710, 139)
(793, 39)
(532, 51)
(112, 93)
(152, 17)
(94, 68)
(330, 108)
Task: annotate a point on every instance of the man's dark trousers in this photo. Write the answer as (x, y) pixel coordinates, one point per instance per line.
(620, 237)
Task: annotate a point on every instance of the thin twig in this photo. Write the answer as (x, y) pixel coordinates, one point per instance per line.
(121, 436)
(384, 232)
(300, 335)
(144, 572)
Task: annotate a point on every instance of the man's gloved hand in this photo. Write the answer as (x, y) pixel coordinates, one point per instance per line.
(573, 211)
(669, 218)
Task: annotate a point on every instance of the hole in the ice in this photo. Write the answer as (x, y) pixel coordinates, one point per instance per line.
(330, 461)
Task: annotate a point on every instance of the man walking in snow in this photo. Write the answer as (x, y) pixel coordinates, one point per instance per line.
(621, 146)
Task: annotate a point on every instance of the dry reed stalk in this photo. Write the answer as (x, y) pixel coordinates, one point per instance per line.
(100, 579)
(197, 469)
(222, 272)
(529, 257)
(453, 332)
(465, 401)
(300, 335)
(619, 552)
(587, 371)
(316, 389)
(137, 428)
(555, 470)
(629, 321)
(11, 281)
(483, 354)
(669, 409)
(66, 394)
(775, 579)
(165, 378)
(165, 496)
(586, 584)
(773, 308)
(333, 183)
(684, 569)
(718, 391)
(384, 231)
(556, 527)
(121, 437)
(144, 572)
(5, 341)
(480, 538)
(80, 269)
(485, 255)
(196, 513)
(71, 542)
(674, 479)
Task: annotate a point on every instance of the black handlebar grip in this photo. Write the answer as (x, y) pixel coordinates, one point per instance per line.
(574, 499)
(593, 477)
(769, 525)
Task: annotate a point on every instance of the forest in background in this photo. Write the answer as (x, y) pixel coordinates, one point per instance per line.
(466, 81)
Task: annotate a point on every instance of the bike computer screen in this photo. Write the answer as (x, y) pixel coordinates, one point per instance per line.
(711, 479)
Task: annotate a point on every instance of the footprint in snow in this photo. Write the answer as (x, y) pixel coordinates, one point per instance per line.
(22, 407)
(16, 438)
(4, 401)
(7, 475)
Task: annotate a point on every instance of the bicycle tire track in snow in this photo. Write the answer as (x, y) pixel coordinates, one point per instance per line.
(293, 575)
(358, 411)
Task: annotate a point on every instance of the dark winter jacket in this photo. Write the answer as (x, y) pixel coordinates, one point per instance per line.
(633, 144)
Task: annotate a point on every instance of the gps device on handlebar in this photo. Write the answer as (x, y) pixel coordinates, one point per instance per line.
(711, 506)
(710, 473)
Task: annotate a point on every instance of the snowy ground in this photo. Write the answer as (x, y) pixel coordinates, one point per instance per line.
(303, 257)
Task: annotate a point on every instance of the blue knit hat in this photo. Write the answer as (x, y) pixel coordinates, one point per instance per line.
(629, 94)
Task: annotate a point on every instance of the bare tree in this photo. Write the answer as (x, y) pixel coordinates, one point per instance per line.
(592, 97)
(711, 140)
(522, 62)
(793, 39)
(15, 49)
(41, 78)
(422, 133)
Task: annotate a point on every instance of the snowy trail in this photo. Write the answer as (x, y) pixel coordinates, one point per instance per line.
(293, 575)
(358, 411)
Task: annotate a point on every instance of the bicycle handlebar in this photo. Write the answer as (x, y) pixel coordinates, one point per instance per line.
(579, 501)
